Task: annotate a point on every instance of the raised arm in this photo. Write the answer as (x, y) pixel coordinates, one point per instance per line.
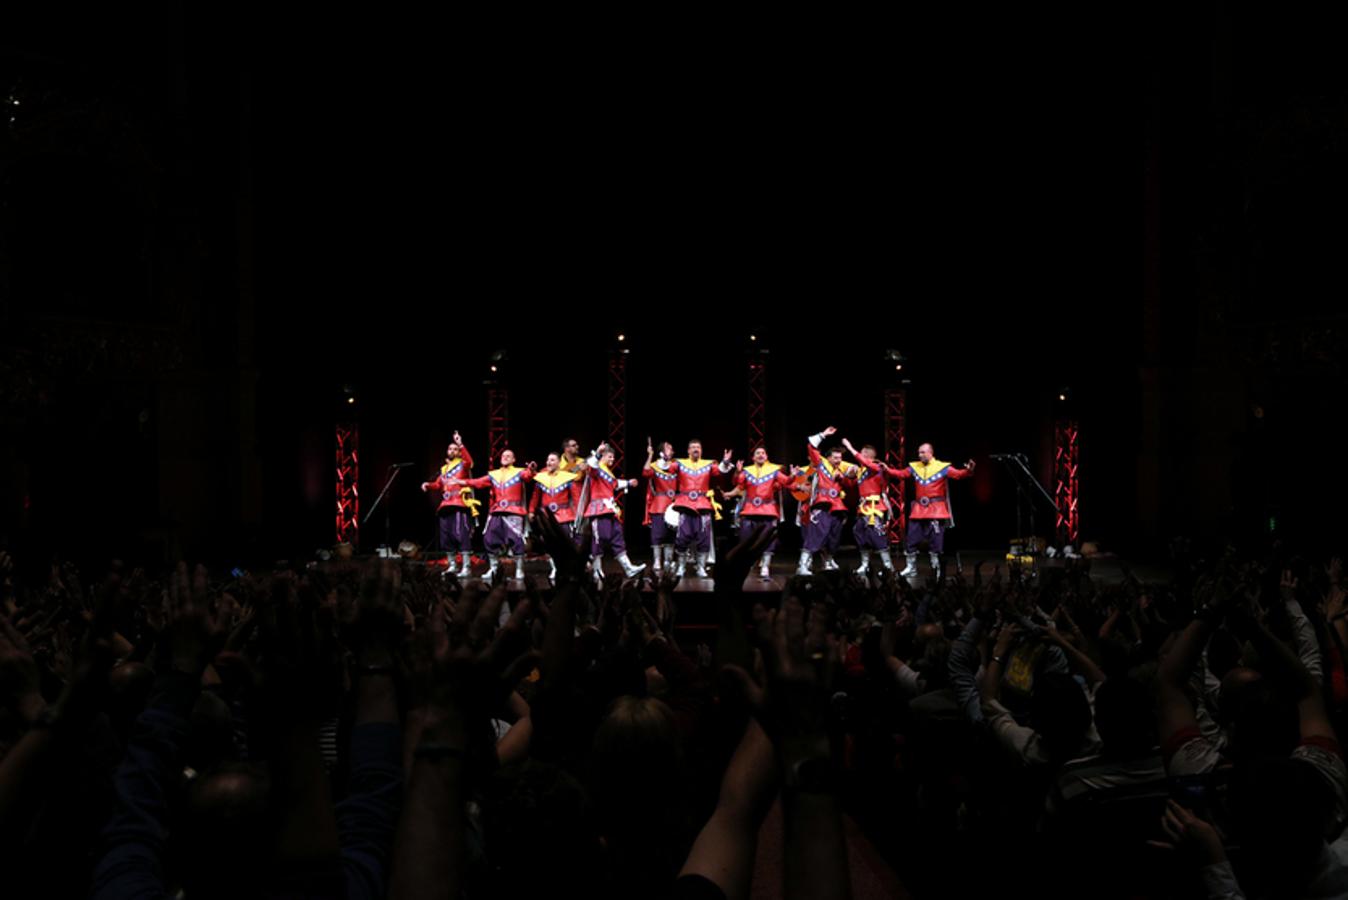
(725, 848)
(862, 461)
(956, 472)
(135, 838)
(463, 451)
(1174, 711)
(368, 815)
(472, 672)
(812, 444)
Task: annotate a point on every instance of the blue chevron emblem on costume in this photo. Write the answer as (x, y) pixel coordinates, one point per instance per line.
(553, 491)
(667, 476)
(605, 474)
(450, 470)
(931, 479)
(513, 479)
(692, 469)
(760, 479)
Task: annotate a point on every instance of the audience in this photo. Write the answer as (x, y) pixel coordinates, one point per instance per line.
(381, 729)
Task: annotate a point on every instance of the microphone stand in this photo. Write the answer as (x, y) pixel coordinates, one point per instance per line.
(1015, 464)
(393, 474)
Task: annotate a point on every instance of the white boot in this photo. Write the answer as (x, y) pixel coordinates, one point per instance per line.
(683, 563)
(519, 567)
(491, 569)
(628, 569)
(597, 569)
(887, 560)
(657, 560)
(701, 571)
(552, 570)
(765, 567)
(804, 567)
(911, 569)
(465, 564)
(830, 564)
(935, 564)
(865, 562)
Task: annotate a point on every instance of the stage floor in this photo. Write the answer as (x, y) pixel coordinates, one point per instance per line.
(1108, 569)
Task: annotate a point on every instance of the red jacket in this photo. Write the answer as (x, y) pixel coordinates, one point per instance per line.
(604, 490)
(507, 489)
(874, 477)
(931, 493)
(694, 484)
(459, 468)
(830, 482)
(761, 485)
(557, 492)
(662, 487)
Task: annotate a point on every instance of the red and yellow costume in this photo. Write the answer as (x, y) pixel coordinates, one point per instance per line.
(761, 485)
(662, 487)
(558, 492)
(931, 494)
(455, 495)
(507, 489)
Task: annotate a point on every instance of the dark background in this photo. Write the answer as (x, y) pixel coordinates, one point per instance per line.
(211, 222)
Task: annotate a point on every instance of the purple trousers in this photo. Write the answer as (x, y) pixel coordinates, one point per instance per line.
(456, 529)
(661, 533)
(824, 530)
(694, 532)
(871, 537)
(930, 530)
(750, 526)
(505, 535)
(608, 537)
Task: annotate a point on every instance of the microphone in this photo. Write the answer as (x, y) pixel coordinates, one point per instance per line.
(402, 465)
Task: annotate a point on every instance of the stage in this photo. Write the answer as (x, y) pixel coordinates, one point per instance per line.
(1106, 568)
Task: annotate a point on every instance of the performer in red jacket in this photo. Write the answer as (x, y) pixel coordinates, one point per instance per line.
(871, 528)
(662, 484)
(505, 524)
(830, 477)
(931, 514)
(695, 506)
(558, 491)
(457, 506)
(760, 506)
(604, 514)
